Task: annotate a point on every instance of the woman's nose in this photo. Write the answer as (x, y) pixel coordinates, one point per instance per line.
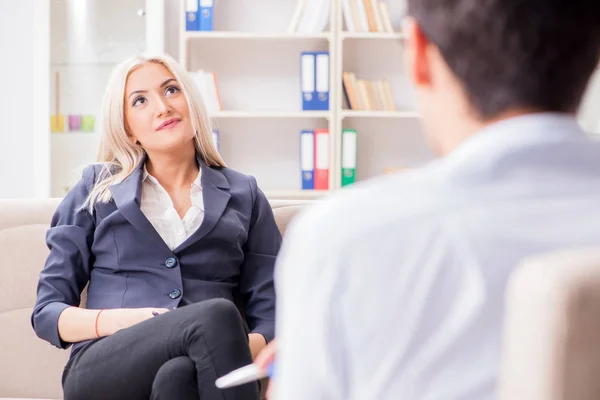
(162, 106)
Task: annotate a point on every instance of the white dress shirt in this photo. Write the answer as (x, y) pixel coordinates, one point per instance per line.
(158, 207)
(395, 289)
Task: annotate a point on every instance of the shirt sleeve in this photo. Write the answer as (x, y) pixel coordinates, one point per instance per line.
(256, 280)
(310, 338)
(67, 267)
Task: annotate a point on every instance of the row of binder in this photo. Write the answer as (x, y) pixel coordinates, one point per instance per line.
(199, 15)
(209, 89)
(314, 158)
(367, 95)
(314, 73)
(367, 16)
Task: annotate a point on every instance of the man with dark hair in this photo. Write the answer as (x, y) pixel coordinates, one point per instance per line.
(395, 289)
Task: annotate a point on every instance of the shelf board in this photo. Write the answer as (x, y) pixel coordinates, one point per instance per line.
(255, 35)
(274, 115)
(380, 114)
(296, 194)
(372, 35)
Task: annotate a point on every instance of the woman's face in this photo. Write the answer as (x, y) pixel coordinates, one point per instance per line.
(156, 110)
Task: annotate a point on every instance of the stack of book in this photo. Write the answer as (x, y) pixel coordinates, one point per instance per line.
(209, 90)
(310, 16)
(368, 95)
(367, 16)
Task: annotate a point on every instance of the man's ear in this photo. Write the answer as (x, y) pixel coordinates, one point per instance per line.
(416, 53)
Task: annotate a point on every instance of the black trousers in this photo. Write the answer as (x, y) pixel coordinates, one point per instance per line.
(176, 355)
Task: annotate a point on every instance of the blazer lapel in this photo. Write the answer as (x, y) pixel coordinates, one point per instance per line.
(127, 196)
(215, 195)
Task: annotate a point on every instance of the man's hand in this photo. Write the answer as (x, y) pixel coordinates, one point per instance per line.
(265, 358)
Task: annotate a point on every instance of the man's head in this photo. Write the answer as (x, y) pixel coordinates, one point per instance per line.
(477, 61)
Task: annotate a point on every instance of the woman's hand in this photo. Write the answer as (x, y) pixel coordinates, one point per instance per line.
(265, 358)
(257, 342)
(111, 321)
(78, 324)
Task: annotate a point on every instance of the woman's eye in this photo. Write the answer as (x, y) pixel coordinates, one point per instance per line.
(172, 90)
(139, 101)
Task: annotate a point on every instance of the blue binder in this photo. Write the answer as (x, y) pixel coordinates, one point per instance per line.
(322, 81)
(216, 138)
(191, 15)
(308, 80)
(307, 159)
(206, 14)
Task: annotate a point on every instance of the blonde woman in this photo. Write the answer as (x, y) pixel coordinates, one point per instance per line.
(169, 240)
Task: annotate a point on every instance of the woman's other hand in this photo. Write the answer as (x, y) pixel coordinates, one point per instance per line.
(257, 342)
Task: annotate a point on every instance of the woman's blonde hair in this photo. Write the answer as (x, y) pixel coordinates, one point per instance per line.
(118, 154)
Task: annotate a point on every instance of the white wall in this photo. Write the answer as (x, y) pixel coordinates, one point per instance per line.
(24, 103)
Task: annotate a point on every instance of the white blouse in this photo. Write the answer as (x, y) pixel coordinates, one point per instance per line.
(158, 207)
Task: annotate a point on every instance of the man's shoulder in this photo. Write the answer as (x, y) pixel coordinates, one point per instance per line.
(365, 207)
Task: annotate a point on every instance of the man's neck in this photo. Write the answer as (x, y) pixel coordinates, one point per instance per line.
(471, 126)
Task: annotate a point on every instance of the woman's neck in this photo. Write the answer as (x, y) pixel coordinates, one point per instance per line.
(173, 171)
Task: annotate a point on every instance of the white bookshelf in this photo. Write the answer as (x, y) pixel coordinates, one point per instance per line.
(270, 115)
(380, 114)
(296, 194)
(387, 140)
(260, 136)
(258, 72)
(253, 35)
(371, 35)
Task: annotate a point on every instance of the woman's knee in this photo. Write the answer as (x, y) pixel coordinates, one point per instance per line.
(219, 311)
(174, 375)
(221, 308)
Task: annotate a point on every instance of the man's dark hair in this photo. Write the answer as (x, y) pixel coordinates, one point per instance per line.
(515, 53)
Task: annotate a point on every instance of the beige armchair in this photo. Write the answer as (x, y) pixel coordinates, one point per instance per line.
(552, 331)
(30, 367)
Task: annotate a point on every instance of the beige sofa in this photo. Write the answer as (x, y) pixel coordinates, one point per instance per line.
(29, 367)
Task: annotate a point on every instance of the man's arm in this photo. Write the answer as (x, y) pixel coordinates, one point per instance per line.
(309, 361)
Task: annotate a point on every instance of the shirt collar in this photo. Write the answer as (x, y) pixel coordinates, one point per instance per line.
(519, 132)
(499, 143)
(197, 182)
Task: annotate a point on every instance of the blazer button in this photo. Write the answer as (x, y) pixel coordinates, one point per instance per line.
(176, 293)
(171, 262)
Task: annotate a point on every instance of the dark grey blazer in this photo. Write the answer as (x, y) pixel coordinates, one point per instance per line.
(128, 265)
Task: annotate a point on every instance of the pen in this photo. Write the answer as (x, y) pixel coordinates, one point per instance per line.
(240, 376)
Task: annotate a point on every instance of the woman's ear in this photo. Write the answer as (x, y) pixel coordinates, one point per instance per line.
(133, 140)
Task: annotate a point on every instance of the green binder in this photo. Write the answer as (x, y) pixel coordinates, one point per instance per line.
(349, 142)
